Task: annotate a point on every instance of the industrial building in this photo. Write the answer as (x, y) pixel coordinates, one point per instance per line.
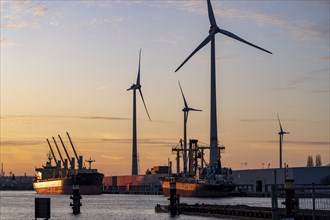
(250, 181)
(147, 184)
(260, 180)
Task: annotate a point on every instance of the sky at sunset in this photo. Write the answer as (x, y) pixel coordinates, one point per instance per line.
(66, 65)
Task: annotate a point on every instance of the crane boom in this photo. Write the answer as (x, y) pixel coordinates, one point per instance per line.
(58, 150)
(66, 152)
(74, 150)
(51, 149)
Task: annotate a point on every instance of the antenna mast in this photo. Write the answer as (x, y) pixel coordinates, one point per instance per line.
(90, 161)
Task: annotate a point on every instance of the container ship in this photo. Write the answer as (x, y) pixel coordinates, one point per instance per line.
(59, 179)
(200, 179)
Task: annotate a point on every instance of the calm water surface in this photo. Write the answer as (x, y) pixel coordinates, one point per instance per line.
(20, 205)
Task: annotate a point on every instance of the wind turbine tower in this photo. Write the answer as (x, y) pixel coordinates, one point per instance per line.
(214, 29)
(185, 110)
(281, 134)
(134, 87)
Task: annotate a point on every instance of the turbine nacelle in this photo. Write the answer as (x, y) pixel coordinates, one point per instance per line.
(281, 129)
(191, 109)
(213, 30)
(186, 107)
(283, 132)
(134, 87)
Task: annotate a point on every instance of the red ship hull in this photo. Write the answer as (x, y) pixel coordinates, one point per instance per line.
(193, 189)
(89, 184)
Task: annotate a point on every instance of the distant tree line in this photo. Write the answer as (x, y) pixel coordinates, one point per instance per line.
(310, 161)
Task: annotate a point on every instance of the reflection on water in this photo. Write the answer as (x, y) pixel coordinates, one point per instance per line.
(20, 205)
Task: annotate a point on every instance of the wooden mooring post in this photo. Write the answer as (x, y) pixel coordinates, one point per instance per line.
(174, 200)
(275, 214)
(42, 208)
(75, 200)
(290, 201)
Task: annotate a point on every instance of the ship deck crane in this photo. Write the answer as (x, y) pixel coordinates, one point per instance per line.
(67, 154)
(79, 160)
(58, 150)
(51, 149)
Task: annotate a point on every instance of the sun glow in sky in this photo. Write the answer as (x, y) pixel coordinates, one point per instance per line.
(66, 65)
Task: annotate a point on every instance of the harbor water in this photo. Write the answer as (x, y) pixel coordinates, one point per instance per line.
(20, 205)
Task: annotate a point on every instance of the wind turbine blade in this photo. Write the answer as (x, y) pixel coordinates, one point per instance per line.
(144, 104)
(205, 41)
(184, 99)
(229, 34)
(138, 76)
(211, 14)
(196, 110)
(279, 123)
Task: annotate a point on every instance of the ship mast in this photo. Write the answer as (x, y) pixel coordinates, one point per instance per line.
(90, 161)
(51, 149)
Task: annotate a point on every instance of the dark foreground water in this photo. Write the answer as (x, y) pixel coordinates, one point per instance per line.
(20, 205)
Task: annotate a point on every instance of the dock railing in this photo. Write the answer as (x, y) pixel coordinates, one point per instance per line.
(309, 200)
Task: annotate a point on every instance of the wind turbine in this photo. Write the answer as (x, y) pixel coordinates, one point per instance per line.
(281, 134)
(214, 29)
(185, 110)
(134, 87)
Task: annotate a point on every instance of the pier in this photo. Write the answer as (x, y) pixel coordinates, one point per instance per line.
(301, 203)
(242, 211)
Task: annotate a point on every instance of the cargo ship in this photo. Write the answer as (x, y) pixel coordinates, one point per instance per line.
(60, 179)
(200, 179)
(192, 187)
